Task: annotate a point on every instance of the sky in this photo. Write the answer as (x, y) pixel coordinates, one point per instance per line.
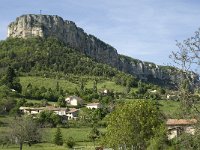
(142, 29)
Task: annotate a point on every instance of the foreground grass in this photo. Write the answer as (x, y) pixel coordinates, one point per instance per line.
(80, 136)
(50, 146)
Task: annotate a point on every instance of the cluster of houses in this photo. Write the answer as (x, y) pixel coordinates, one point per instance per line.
(175, 126)
(71, 113)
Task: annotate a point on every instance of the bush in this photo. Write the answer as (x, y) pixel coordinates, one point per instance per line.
(70, 142)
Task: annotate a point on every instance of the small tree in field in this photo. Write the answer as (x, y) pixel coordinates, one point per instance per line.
(58, 139)
(70, 142)
(94, 134)
(24, 130)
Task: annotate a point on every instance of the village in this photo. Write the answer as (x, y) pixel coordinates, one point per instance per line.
(175, 126)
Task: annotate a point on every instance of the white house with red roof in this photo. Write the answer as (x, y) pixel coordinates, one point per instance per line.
(178, 126)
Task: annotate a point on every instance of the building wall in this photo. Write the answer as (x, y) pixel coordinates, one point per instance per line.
(74, 102)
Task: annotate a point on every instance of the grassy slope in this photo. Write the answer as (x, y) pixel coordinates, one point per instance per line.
(67, 85)
(47, 82)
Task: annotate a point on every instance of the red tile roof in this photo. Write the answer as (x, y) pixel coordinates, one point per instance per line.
(174, 122)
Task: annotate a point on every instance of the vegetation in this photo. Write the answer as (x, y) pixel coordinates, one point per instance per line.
(133, 124)
(49, 58)
(24, 130)
(58, 139)
(48, 119)
(38, 72)
(70, 142)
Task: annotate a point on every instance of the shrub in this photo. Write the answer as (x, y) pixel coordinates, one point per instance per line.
(70, 142)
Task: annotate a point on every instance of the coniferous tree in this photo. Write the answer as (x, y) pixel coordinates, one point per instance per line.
(58, 139)
(11, 80)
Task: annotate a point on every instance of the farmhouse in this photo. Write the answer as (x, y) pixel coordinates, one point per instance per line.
(74, 100)
(33, 111)
(178, 126)
(94, 106)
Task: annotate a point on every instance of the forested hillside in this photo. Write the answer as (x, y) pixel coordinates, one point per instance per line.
(48, 57)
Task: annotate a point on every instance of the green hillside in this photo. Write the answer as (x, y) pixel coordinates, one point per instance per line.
(67, 85)
(49, 57)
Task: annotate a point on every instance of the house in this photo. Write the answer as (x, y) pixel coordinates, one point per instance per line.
(105, 91)
(177, 126)
(172, 97)
(153, 91)
(72, 113)
(58, 111)
(74, 100)
(33, 111)
(94, 106)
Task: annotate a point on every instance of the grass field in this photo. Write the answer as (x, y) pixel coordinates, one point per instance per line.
(67, 85)
(169, 108)
(47, 83)
(50, 146)
(80, 136)
(108, 85)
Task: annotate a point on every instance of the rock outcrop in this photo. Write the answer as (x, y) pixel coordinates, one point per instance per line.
(54, 26)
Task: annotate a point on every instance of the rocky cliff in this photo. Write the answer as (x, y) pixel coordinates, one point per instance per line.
(45, 26)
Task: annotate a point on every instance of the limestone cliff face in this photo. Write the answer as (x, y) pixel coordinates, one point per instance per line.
(45, 26)
(66, 31)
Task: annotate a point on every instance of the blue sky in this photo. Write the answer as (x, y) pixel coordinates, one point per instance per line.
(142, 29)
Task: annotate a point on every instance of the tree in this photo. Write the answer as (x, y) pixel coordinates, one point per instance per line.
(48, 119)
(11, 80)
(25, 130)
(94, 134)
(132, 124)
(70, 142)
(159, 140)
(10, 75)
(187, 58)
(61, 101)
(58, 139)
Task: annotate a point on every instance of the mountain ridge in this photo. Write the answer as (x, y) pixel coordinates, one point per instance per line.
(45, 26)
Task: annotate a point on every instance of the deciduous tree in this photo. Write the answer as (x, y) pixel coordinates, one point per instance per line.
(24, 130)
(132, 124)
